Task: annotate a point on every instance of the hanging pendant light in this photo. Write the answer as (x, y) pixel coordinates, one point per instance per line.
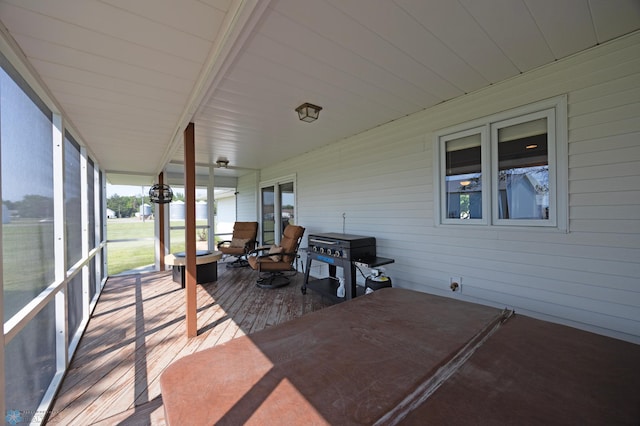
(160, 194)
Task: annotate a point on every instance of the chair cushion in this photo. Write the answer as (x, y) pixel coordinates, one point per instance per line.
(274, 250)
(290, 237)
(233, 251)
(239, 242)
(245, 230)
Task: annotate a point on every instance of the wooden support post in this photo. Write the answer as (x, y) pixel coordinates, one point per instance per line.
(161, 226)
(190, 230)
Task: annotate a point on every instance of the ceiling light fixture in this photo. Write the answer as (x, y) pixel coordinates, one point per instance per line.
(308, 112)
(532, 146)
(222, 162)
(465, 183)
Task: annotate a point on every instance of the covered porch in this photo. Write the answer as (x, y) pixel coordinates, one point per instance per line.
(203, 94)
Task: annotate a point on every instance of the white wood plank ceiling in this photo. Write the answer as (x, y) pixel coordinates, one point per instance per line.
(130, 75)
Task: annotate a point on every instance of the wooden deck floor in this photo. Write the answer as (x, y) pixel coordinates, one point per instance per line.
(138, 328)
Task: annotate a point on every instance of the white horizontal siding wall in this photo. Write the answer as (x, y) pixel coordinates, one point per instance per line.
(382, 180)
(246, 197)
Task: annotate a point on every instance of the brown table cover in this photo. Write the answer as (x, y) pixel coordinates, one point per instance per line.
(535, 372)
(380, 359)
(346, 364)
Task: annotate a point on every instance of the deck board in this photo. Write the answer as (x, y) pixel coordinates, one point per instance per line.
(138, 328)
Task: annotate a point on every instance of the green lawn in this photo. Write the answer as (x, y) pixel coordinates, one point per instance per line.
(28, 254)
(120, 229)
(128, 255)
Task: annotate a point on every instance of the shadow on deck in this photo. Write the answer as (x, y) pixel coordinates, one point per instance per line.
(138, 328)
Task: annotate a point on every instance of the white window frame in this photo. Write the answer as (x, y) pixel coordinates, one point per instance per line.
(484, 171)
(555, 110)
(551, 159)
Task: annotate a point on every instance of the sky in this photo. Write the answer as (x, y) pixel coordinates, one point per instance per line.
(126, 190)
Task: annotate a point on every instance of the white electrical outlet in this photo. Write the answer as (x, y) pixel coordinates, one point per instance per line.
(455, 284)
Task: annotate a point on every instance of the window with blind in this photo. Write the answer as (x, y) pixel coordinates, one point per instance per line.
(509, 169)
(521, 182)
(463, 177)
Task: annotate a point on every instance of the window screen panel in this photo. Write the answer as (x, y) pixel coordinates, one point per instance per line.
(72, 201)
(26, 155)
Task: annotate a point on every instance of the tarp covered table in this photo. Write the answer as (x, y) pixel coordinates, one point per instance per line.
(401, 356)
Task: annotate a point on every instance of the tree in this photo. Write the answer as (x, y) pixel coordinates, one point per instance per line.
(35, 206)
(123, 206)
